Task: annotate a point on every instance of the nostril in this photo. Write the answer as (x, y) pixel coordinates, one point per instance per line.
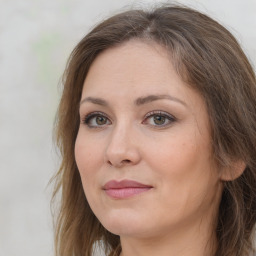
(123, 162)
(126, 161)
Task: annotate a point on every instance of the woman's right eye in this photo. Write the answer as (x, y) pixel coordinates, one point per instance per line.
(96, 120)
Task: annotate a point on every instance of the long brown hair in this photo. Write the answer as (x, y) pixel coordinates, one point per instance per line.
(208, 58)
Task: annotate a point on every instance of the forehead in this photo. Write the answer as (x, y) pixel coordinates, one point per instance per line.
(129, 65)
(136, 69)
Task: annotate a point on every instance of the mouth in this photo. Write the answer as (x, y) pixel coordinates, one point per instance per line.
(125, 188)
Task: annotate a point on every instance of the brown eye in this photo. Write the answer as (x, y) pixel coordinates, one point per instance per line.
(96, 120)
(101, 120)
(159, 120)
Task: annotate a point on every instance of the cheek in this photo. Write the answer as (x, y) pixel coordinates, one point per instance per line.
(182, 167)
(88, 159)
(174, 154)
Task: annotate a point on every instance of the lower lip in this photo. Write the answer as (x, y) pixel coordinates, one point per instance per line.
(121, 193)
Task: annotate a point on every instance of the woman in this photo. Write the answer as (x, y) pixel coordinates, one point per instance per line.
(157, 130)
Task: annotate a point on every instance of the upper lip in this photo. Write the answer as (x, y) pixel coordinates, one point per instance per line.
(114, 184)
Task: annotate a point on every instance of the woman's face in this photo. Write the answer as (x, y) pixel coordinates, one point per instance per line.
(143, 148)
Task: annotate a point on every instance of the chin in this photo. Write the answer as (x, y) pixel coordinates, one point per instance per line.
(124, 223)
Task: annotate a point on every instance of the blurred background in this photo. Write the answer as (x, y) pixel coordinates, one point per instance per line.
(36, 38)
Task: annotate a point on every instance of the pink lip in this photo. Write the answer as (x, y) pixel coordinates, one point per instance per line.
(125, 188)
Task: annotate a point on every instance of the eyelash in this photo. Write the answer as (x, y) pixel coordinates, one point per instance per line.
(170, 119)
(160, 113)
(87, 119)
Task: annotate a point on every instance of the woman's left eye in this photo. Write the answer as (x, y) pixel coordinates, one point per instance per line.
(159, 119)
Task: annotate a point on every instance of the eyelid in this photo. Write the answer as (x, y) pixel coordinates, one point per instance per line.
(160, 112)
(90, 115)
(170, 117)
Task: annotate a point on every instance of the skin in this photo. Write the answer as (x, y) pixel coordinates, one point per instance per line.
(124, 141)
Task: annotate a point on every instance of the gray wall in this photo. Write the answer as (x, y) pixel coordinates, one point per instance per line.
(36, 37)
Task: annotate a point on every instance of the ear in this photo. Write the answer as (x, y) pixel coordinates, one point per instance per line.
(233, 171)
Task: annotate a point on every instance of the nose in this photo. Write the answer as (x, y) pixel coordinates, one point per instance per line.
(122, 148)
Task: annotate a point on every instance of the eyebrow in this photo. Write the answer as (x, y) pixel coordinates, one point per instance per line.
(97, 101)
(138, 102)
(150, 98)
